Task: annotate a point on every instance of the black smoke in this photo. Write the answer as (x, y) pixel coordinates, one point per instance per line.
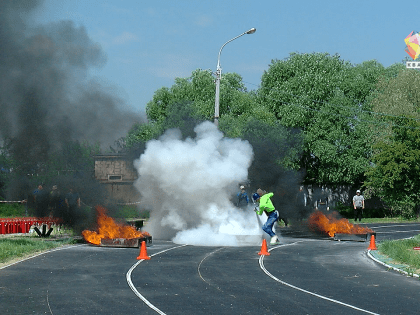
(275, 148)
(47, 99)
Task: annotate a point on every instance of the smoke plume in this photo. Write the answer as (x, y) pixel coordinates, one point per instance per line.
(189, 184)
(46, 97)
(48, 104)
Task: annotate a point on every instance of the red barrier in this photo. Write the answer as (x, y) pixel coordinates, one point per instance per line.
(8, 227)
(23, 225)
(14, 226)
(27, 226)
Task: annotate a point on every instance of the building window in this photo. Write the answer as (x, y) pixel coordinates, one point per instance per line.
(115, 177)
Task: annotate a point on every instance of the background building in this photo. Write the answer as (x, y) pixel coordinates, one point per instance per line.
(118, 174)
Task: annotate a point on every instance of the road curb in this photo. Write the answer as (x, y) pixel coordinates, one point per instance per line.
(385, 261)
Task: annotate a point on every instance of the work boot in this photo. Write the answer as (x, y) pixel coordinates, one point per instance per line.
(274, 240)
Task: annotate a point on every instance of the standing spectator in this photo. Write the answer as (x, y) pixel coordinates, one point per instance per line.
(267, 206)
(41, 201)
(358, 205)
(322, 202)
(301, 203)
(56, 202)
(242, 198)
(72, 201)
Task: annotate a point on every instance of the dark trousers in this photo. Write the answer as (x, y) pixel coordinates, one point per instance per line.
(358, 213)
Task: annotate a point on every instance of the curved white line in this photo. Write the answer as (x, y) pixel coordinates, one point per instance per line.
(133, 288)
(48, 303)
(199, 265)
(46, 252)
(303, 290)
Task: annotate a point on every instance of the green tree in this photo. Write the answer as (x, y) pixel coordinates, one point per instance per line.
(394, 174)
(192, 100)
(326, 98)
(142, 133)
(198, 89)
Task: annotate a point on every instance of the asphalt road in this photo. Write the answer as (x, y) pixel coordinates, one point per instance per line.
(306, 274)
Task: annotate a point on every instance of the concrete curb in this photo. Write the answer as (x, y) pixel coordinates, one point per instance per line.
(381, 260)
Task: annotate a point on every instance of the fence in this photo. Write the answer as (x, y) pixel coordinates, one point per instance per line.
(23, 225)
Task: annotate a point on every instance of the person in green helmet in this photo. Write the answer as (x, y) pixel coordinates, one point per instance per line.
(265, 205)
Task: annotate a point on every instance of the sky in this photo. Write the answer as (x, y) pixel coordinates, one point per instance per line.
(148, 44)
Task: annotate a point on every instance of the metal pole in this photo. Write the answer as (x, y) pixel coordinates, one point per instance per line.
(219, 76)
(216, 102)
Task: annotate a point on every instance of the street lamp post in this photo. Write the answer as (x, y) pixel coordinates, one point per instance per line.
(219, 76)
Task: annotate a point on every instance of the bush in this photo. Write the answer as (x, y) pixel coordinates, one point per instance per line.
(406, 209)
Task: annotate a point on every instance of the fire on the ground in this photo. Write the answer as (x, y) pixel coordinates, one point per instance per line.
(331, 225)
(109, 229)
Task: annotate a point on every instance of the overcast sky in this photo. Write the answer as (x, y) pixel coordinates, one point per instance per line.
(150, 43)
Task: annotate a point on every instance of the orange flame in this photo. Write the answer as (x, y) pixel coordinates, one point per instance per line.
(108, 228)
(331, 225)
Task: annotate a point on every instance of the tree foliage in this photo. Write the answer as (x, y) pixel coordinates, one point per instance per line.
(192, 100)
(326, 98)
(198, 89)
(315, 112)
(142, 133)
(394, 175)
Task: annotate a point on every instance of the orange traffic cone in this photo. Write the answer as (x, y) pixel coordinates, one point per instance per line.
(263, 250)
(372, 245)
(143, 252)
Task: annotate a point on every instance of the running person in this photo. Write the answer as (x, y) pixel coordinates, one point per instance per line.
(267, 206)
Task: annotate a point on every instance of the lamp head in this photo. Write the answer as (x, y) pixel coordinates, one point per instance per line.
(252, 31)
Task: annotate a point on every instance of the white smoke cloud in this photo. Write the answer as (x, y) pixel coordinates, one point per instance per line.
(188, 186)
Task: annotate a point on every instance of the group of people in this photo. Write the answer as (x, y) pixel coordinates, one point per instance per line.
(264, 204)
(54, 203)
(322, 202)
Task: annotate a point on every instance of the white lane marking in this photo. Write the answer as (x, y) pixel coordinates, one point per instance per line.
(48, 303)
(199, 265)
(261, 261)
(133, 288)
(43, 253)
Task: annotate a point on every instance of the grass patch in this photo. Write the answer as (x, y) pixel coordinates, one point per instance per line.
(401, 251)
(20, 247)
(12, 210)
